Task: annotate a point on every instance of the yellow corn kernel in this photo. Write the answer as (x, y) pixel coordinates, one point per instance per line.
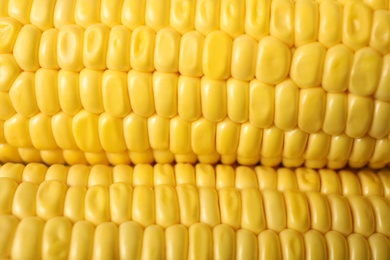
(363, 217)
(245, 178)
(286, 105)
(207, 16)
(42, 17)
(140, 88)
(257, 15)
(244, 54)
(203, 136)
(55, 238)
(223, 241)
(275, 210)
(269, 245)
(319, 212)
(81, 241)
(182, 14)
(41, 132)
(87, 12)
(190, 54)
(16, 131)
(307, 65)
(213, 99)
(63, 13)
(189, 98)
(380, 24)
(237, 94)
(48, 49)
(20, 10)
(50, 199)
(200, 242)
(6, 196)
(311, 109)
(130, 240)
(9, 71)
(8, 225)
(306, 22)
(315, 247)
(85, 127)
(358, 246)
(232, 17)
(95, 46)
(118, 53)
(166, 54)
(70, 47)
(292, 244)
(261, 104)
(105, 241)
(9, 30)
(337, 245)
(142, 49)
(340, 214)
(26, 56)
(97, 205)
(282, 21)
(133, 13)
(359, 115)
(74, 203)
(143, 210)
(115, 93)
(7, 109)
(61, 126)
(165, 94)
(356, 28)
(110, 12)
(176, 241)
(246, 245)
(252, 216)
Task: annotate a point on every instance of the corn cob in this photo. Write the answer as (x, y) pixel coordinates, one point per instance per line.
(115, 82)
(199, 212)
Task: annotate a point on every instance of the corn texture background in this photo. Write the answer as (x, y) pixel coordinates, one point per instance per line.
(199, 129)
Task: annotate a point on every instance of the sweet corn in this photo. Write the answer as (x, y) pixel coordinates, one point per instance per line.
(217, 94)
(196, 211)
(196, 81)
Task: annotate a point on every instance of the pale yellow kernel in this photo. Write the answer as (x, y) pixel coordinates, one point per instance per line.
(8, 225)
(70, 47)
(110, 12)
(61, 129)
(295, 143)
(190, 54)
(338, 61)
(381, 151)
(269, 245)
(350, 183)
(157, 14)
(100, 175)
(340, 148)
(34, 172)
(227, 137)
(381, 209)
(213, 99)
(286, 179)
(189, 98)
(42, 17)
(320, 217)
(250, 140)
(330, 19)
(7, 109)
(380, 127)
(105, 241)
(135, 132)
(153, 244)
(8, 188)
(28, 236)
(380, 40)
(315, 247)
(362, 150)
(85, 129)
(81, 242)
(9, 71)
(311, 109)
(165, 94)
(188, 200)
(176, 242)
(335, 113)
(365, 72)
(292, 244)
(87, 12)
(140, 86)
(200, 242)
(207, 16)
(340, 214)
(272, 145)
(20, 10)
(246, 245)
(55, 238)
(359, 115)
(166, 52)
(252, 216)
(362, 214)
(46, 91)
(41, 132)
(232, 17)
(68, 91)
(11, 171)
(130, 240)
(63, 13)
(370, 183)
(95, 46)
(244, 54)
(307, 65)
(237, 94)
(133, 13)
(382, 92)
(257, 15)
(48, 49)
(306, 22)
(286, 105)
(315, 141)
(223, 242)
(180, 136)
(143, 174)
(10, 154)
(357, 19)
(230, 207)
(379, 245)
(123, 173)
(118, 53)
(26, 55)
(261, 104)
(97, 204)
(273, 60)
(282, 21)
(217, 54)
(203, 136)
(308, 179)
(358, 247)
(16, 131)
(337, 245)
(275, 210)
(9, 30)
(182, 15)
(158, 130)
(115, 93)
(143, 210)
(121, 196)
(208, 205)
(142, 49)
(74, 203)
(50, 199)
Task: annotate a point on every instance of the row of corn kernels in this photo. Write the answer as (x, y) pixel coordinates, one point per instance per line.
(216, 56)
(88, 138)
(167, 205)
(364, 182)
(34, 238)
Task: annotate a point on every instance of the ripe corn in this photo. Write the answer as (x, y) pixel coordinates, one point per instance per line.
(121, 82)
(199, 212)
(270, 82)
